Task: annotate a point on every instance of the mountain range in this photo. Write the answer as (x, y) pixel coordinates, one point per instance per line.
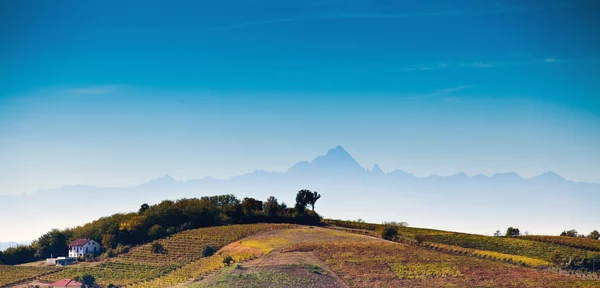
(545, 204)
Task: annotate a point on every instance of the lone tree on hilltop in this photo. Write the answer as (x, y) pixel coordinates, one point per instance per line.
(313, 199)
(306, 197)
(512, 231)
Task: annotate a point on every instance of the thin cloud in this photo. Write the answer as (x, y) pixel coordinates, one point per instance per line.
(95, 90)
(376, 15)
(439, 93)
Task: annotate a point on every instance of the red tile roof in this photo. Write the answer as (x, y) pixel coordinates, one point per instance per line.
(66, 283)
(79, 242)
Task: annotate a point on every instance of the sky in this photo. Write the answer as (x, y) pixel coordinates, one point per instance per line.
(116, 93)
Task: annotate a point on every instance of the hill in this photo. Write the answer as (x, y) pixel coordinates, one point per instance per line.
(301, 250)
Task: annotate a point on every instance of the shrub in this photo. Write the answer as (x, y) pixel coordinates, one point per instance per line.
(158, 248)
(388, 232)
(88, 280)
(208, 251)
(122, 249)
(227, 260)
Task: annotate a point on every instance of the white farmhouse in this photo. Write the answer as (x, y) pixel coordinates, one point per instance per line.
(80, 247)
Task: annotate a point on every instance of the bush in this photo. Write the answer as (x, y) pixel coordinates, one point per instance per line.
(108, 254)
(208, 251)
(121, 249)
(158, 248)
(420, 238)
(388, 232)
(227, 260)
(88, 280)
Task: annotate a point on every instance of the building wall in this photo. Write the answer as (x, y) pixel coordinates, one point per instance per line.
(91, 247)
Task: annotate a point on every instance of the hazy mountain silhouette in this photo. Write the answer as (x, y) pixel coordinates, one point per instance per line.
(477, 204)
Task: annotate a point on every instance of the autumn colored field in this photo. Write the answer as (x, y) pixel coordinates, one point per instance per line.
(285, 255)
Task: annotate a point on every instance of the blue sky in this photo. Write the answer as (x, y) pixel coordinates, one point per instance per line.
(114, 94)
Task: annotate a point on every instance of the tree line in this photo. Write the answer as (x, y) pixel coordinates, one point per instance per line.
(513, 231)
(119, 231)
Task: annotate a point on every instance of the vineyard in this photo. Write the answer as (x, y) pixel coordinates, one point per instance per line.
(565, 251)
(142, 264)
(362, 264)
(540, 250)
(575, 242)
(15, 274)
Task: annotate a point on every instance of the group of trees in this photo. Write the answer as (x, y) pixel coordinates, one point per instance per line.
(512, 231)
(119, 231)
(573, 233)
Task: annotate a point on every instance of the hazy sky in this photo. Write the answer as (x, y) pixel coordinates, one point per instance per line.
(114, 94)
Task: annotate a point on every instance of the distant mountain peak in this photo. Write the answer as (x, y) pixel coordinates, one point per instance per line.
(164, 180)
(336, 159)
(377, 170)
(338, 151)
(460, 175)
(550, 176)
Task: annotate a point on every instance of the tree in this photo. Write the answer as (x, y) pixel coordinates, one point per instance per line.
(313, 199)
(88, 280)
(512, 231)
(271, 207)
(497, 233)
(158, 248)
(108, 241)
(594, 235)
(156, 232)
(303, 198)
(53, 243)
(388, 232)
(227, 260)
(569, 233)
(144, 207)
(250, 206)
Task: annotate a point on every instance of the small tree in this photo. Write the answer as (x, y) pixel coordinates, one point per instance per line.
(251, 206)
(144, 207)
(88, 280)
(108, 241)
(271, 207)
(388, 232)
(208, 251)
(497, 233)
(158, 248)
(594, 235)
(156, 232)
(227, 260)
(512, 231)
(569, 233)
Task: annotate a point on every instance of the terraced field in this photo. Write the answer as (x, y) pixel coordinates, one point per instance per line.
(141, 264)
(576, 242)
(398, 265)
(13, 274)
(548, 249)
